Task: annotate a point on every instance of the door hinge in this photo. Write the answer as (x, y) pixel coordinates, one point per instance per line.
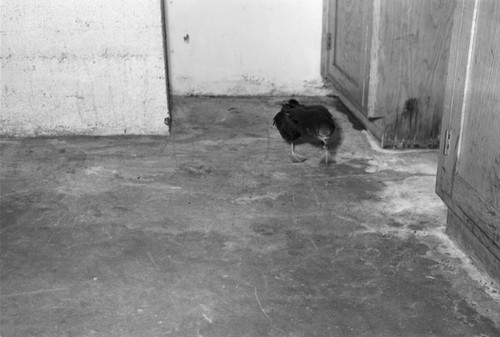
(328, 41)
(447, 139)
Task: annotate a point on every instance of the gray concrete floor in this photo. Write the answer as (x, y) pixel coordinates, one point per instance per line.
(213, 231)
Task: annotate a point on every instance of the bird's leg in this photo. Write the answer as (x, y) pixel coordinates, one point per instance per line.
(325, 159)
(295, 157)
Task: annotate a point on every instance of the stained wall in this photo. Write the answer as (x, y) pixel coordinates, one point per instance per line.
(82, 67)
(241, 47)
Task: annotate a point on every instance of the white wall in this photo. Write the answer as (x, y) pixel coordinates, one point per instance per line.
(82, 67)
(245, 47)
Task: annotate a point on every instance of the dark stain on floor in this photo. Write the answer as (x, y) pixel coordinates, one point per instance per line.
(214, 232)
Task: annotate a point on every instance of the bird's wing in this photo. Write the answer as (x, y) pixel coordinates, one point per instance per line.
(309, 119)
(287, 128)
(320, 110)
(303, 120)
(296, 114)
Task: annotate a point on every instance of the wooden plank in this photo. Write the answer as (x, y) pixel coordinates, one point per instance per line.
(469, 176)
(473, 235)
(325, 31)
(375, 47)
(461, 41)
(348, 61)
(348, 40)
(415, 38)
(485, 216)
(489, 231)
(479, 151)
(353, 104)
(472, 241)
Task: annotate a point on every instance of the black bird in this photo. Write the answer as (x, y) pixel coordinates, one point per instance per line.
(310, 123)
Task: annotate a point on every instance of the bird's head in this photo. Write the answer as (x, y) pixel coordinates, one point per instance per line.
(291, 103)
(324, 133)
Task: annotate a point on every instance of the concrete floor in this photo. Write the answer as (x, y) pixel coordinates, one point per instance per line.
(214, 232)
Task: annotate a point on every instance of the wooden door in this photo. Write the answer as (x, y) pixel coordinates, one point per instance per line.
(469, 164)
(409, 83)
(348, 36)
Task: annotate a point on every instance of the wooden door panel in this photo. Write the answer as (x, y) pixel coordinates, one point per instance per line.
(477, 208)
(471, 238)
(469, 165)
(479, 151)
(349, 25)
(479, 158)
(413, 51)
(347, 41)
(388, 60)
(454, 98)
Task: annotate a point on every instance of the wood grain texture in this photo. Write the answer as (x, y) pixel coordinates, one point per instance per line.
(414, 46)
(348, 61)
(485, 215)
(325, 30)
(479, 152)
(468, 177)
(348, 39)
(475, 243)
(454, 95)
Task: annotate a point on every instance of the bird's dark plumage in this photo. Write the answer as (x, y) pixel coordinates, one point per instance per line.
(311, 123)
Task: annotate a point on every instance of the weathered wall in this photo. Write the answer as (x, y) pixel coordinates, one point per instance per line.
(241, 47)
(82, 67)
